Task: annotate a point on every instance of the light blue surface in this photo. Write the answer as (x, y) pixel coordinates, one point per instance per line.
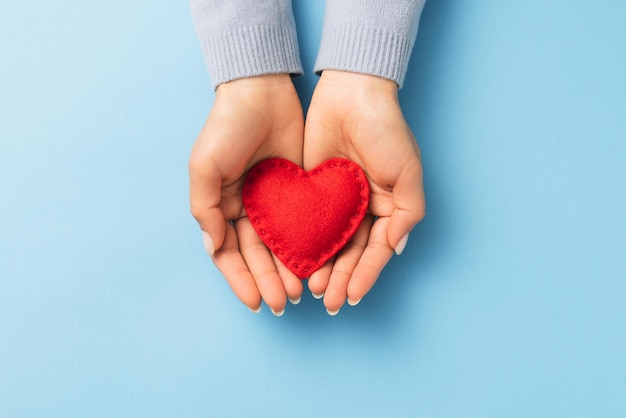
(508, 302)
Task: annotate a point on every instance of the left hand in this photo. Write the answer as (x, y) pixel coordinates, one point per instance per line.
(358, 117)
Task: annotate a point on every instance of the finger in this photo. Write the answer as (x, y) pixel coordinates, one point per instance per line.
(291, 282)
(318, 281)
(337, 290)
(230, 262)
(410, 205)
(205, 188)
(261, 265)
(374, 258)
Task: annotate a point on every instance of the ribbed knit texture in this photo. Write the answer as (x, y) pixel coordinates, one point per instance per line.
(369, 36)
(244, 38)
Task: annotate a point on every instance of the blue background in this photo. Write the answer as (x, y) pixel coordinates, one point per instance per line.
(508, 301)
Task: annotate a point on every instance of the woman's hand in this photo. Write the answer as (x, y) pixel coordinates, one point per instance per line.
(252, 119)
(358, 117)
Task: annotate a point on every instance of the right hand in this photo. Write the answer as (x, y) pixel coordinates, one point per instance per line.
(252, 119)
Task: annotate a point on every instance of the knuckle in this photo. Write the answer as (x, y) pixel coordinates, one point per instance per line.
(419, 215)
(196, 211)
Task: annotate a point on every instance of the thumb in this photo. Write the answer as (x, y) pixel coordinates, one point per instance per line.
(410, 207)
(205, 188)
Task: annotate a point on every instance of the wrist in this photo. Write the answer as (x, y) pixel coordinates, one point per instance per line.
(356, 93)
(359, 81)
(268, 82)
(269, 91)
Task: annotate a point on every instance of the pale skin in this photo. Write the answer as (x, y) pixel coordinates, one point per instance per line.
(252, 119)
(353, 116)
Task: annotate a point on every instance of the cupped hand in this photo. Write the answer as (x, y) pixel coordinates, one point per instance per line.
(252, 119)
(358, 117)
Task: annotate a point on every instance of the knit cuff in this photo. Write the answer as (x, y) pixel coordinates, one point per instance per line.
(364, 50)
(251, 51)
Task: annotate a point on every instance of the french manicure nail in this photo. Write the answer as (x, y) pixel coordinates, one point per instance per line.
(209, 246)
(402, 244)
(353, 302)
(318, 295)
(295, 301)
(257, 310)
(332, 313)
(278, 313)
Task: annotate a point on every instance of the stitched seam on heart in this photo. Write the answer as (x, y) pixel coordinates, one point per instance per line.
(345, 234)
(340, 242)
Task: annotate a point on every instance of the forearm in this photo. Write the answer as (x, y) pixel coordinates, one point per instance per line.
(245, 38)
(373, 37)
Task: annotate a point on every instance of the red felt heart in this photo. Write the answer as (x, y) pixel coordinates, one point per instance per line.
(305, 217)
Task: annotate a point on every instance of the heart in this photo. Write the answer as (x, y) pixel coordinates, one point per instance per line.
(305, 217)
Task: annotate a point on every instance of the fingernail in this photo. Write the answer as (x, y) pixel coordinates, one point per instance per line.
(353, 302)
(332, 313)
(402, 244)
(318, 295)
(257, 310)
(278, 313)
(295, 301)
(209, 246)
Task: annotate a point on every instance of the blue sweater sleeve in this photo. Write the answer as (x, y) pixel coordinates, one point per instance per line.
(245, 38)
(369, 36)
